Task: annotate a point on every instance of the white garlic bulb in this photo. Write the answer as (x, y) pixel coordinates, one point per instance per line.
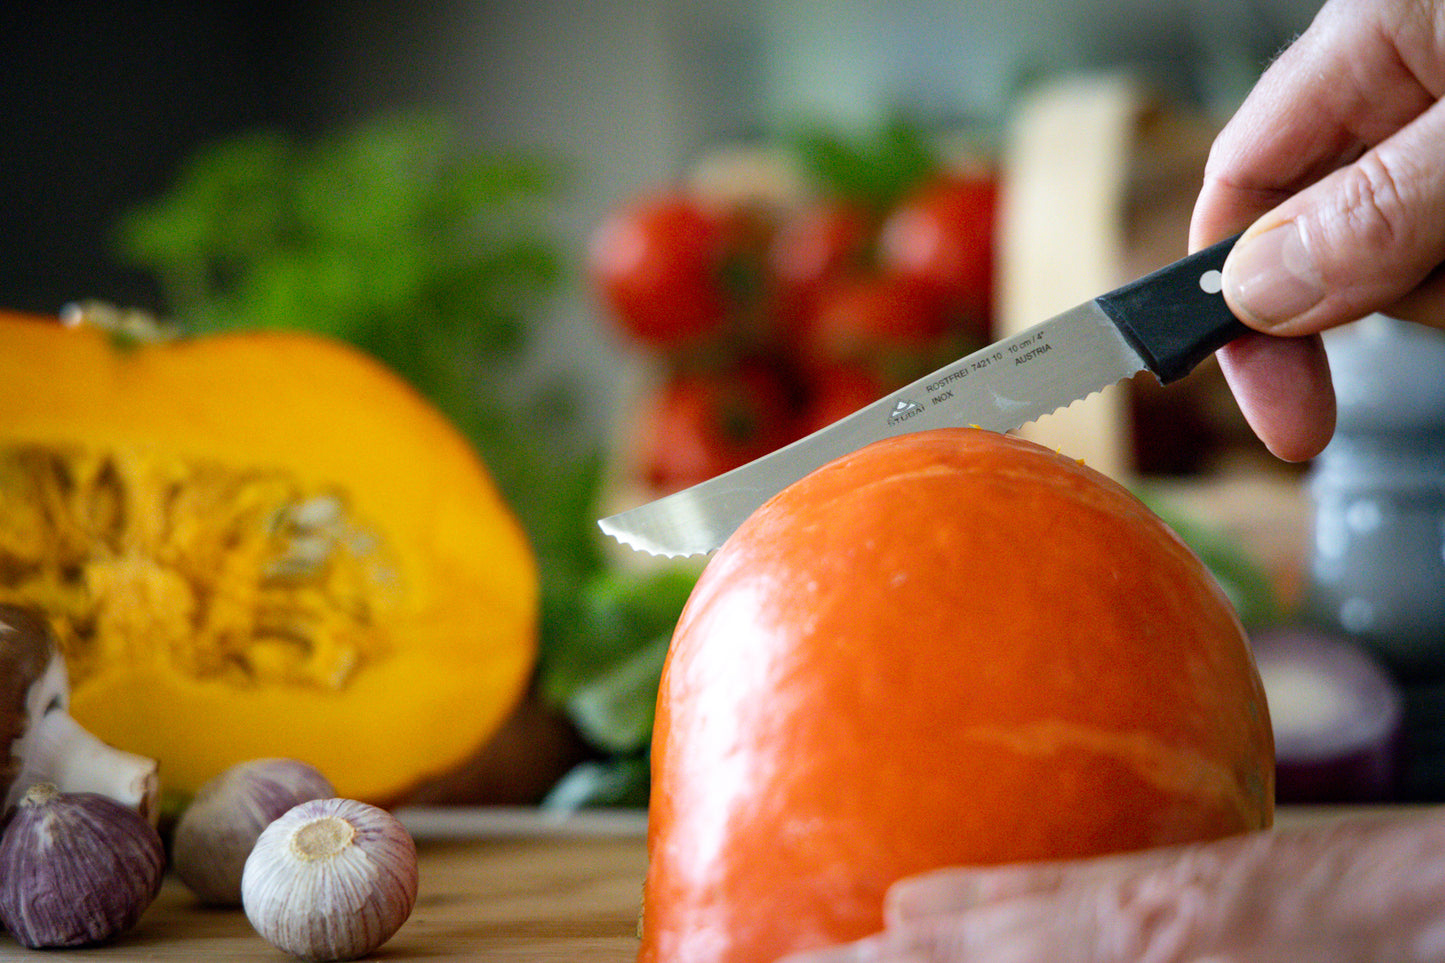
(331, 879)
(216, 832)
(39, 740)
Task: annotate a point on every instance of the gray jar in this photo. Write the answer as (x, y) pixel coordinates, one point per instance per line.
(1378, 496)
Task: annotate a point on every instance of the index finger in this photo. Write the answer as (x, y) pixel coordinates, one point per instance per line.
(1361, 72)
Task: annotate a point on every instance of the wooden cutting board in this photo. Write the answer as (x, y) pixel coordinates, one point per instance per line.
(526, 891)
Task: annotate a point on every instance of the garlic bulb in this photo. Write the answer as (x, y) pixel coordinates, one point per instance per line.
(76, 868)
(216, 831)
(331, 879)
(45, 744)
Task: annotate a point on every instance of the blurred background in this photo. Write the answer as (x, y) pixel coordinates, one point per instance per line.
(149, 143)
(104, 101)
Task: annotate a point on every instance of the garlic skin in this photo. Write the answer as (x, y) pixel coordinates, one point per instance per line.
(45, 743)
(76, 868)
(217, 830)
(331, 879)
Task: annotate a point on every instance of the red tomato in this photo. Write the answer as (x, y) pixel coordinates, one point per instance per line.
(943, 235)
(660, 266)
(836, 391)
(701, 424)
(815, 248)
(874, 317)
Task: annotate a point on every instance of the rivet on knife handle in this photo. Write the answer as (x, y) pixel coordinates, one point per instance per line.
(1176, 317)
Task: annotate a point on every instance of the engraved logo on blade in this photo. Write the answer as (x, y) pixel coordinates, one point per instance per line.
(904, 410)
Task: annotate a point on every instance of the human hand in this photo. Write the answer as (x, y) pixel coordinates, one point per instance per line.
(1336, 163)
(1359, 891)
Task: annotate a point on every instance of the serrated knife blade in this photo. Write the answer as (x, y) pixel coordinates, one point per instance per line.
(1165, 323)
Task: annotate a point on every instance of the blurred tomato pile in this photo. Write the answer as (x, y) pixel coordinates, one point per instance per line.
(768, 320)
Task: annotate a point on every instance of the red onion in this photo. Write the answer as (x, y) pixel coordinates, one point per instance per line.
(1338, 717)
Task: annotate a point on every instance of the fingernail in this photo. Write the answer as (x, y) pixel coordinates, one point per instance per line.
(921, 898)
(863, 951)
(881, 948)
(1272, 277)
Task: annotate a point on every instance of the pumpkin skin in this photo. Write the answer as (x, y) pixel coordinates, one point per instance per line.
(450, 610)
(951, 647)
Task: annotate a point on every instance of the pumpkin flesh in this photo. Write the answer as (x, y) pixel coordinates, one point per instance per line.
(259, 544)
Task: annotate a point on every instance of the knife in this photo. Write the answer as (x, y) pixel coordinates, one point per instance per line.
(1166, 323)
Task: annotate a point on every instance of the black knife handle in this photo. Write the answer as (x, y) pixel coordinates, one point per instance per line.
(1176, 317)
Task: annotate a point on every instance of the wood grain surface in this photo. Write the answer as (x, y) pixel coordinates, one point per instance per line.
(528, 890)
(496, 884)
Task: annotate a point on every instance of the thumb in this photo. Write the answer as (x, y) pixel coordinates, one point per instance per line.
(1368, 237)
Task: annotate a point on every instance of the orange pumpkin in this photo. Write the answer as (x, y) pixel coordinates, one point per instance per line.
(260, 544)
(952, 647)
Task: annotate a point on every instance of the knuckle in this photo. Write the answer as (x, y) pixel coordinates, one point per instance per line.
(1374, 206)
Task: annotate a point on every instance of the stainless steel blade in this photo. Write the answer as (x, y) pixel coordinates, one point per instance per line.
(1000, 387)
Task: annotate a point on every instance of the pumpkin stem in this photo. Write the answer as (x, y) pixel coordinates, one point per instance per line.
(128, 327)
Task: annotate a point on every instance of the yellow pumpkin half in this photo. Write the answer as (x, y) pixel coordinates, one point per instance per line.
(260, 544)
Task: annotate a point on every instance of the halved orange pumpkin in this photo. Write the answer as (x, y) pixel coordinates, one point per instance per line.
(260, 544)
